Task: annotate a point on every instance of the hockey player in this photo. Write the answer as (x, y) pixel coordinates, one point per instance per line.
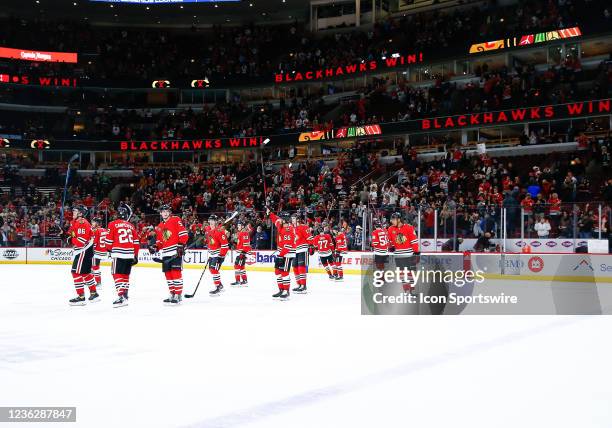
(341, 251)
(217, 244)
(404, 245)
(122, 242)
(286, 252)
(324, 245)
(100, 250)
(380, 245)
(303, 240)
(243, 247)
(170, 239)
(81, 238)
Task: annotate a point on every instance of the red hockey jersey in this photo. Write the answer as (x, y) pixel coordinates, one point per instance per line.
(81, 236)
(285, 242)
(403, 239)
(169, 234)
(380, 242)
(243, 242)
(324, 244)
(341, 245)
(303, 238)
(100, 248)
(122, 240)
(216, 240)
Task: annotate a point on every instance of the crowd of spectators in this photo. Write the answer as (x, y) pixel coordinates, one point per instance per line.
(250, 51)
(545, 196)
(382, 101)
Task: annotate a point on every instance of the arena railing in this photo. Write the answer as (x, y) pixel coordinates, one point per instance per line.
(489, 228)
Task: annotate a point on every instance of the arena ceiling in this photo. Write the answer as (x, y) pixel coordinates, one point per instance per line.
(175, 14)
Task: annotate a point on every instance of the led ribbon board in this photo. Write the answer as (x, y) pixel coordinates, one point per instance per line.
(526, 40)
(39, 56)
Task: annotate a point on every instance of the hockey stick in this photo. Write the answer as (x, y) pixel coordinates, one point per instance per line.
(189, 296)
(72, 159)
(231, 217)
(263, 171)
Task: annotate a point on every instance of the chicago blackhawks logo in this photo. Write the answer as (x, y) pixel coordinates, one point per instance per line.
(400, 238)
(166, 234)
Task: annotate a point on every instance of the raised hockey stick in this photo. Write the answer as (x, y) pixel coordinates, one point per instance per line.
(72, 159)
(263, 170)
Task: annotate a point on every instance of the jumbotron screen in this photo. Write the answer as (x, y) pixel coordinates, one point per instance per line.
(164, 1)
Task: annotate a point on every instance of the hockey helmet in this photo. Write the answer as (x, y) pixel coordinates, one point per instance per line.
(81, 208)
(124, 212)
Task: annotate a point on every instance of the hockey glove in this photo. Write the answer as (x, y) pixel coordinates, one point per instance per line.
(180, 250)
(134, 261)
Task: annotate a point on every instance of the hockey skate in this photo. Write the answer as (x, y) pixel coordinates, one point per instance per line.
(121, 301)
(284, 296)
(177, 299)
(277, 295)
(301, 289)
(168, 300)
(94, 297)
(217, 291)
(78, 301)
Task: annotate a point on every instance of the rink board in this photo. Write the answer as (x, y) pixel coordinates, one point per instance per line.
(524, 267)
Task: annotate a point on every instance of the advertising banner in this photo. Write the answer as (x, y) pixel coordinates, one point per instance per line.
(41, 56)
(12, 255)
(526, 40)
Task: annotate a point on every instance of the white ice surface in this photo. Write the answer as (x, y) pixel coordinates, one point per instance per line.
(244, 360)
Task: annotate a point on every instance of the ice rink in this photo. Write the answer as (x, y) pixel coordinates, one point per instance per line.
(245, 360)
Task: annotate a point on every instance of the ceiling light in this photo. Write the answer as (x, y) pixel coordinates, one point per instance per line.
(250, 4)
(216, 5)
(74, 4)
(147, 7)
(181, 6)
(112, 5)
